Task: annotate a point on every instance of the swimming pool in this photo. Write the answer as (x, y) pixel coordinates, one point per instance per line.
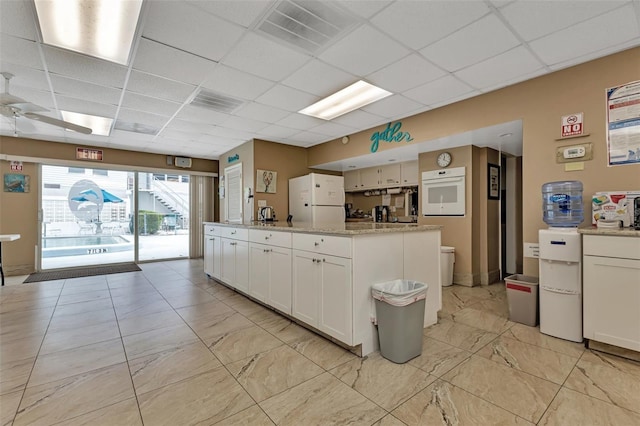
(81, 245)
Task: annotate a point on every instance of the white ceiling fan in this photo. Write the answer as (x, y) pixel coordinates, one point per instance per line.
(13, 107)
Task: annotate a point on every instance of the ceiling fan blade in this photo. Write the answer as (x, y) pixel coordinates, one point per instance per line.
(6, 111)
(59, 123)
(8, 99)
(27, 107)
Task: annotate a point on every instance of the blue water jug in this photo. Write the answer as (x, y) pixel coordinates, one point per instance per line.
(562, 203)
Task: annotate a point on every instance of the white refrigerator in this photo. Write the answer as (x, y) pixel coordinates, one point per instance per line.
(317, 198)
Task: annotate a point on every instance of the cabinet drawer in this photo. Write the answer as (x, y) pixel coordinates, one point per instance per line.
(210, 229)
(235, 233)
(280, 239)
(610, 246)
(326, 244)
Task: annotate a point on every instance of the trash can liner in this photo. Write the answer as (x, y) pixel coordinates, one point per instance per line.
(399, 292)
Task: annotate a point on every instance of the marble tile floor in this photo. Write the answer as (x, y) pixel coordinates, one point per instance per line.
(168, 346)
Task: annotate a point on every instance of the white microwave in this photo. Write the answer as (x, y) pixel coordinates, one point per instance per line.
(443, 192)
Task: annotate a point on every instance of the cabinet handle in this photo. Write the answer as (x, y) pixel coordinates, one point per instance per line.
(316, 244)
(233, 232)
(324, 260)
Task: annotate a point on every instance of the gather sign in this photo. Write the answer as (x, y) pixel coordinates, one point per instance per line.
(391, 133)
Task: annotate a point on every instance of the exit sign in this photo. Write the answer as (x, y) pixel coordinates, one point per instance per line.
(572, 125)
(88, 154)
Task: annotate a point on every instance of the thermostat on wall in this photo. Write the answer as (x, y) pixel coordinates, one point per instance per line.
(579, 152)
(574, 152)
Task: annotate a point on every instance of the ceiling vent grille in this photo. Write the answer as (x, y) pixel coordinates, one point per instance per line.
(216, 102)
(308, 25)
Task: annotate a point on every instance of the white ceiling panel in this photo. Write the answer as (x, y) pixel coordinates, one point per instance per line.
(300, 121)
(319, 78)
(226, 132)
(333, 130)
(278, 132)
(17, 19)
(159, 87)
(534, 19)
(505, 67)
(287, 98)
(180, 25)
(179, 135)
(264, 58)
(393, 106)
(190, 126)
(39, 97)
(589, 36)
(19, 51)
(596, 54)
(309, 138)
(86, 107)
(79, 89)
(243, 124)
(420, 23)
(24, 76)
(117, 135)
(395, 77)
(476, 42)
(443, 89)
(260, 112)
(133, 116)
(165, 61)
(153, 105)
(201, 115)
(84, 68)
(365, 9)
(359, 119)
(364, 51)
(235, 83)
(243, 12)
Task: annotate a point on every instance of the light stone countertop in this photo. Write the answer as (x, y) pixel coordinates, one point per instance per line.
(348, 228)
(621, 232)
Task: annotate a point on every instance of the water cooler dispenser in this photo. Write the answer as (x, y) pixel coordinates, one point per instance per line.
(560, 261)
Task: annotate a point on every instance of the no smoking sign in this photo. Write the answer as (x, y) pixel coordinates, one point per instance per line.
(572, 125)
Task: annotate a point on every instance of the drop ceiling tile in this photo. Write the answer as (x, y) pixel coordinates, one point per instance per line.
(117, 136)
(359, 119)
(364, 51)
(597, 54)
(159, 87)
(261, 112)
(17, 18)
(310, 138)
(243, 124)
(534, 19)
(287, 98)
(226, 132)
(420, 23)
(300, 121)
(235, 83)
(165, 61)
(85, 68)
(83, 106)
(40, 98)
(588, 36)
(392, 106)
(518, 79)
(333, 130)
(31, 78)
(178, 135)
(190, 126)
(20, 52)
(180, 25)
(507, 66)
(79, 89)
(264, 58)
(442, 89)
(455, 99)
(201, 115)
(474, 43)
(365, 9)
(243, 12)
(133, 116)
(148, 104)
(277, 132)
(408, 72)
(319, 78)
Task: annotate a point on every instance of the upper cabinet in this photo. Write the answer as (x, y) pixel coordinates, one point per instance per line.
(387, 176)
(409, 173)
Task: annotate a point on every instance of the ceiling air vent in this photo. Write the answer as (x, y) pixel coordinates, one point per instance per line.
(216, 102)
(308, 25)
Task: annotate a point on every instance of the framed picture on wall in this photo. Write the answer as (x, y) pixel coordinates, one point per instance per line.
(493, 182)
(266, 181)
(16, 183)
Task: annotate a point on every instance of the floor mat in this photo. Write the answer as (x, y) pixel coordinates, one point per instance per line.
(81, 272)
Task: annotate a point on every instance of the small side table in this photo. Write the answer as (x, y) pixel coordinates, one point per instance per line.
(3, 238)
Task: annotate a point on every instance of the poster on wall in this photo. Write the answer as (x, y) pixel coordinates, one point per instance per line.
(16, 182)
(266, 181)
(623, 124)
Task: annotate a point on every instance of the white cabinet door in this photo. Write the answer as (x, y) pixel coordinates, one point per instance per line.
(352, 180)
(242, 266)
(259, 271)
(228, 261)
(390, 175)
(279, 295)
(217, 257)
(409, 173)
(306, 274)
(336, 307)
(369, 178)
(208, 255)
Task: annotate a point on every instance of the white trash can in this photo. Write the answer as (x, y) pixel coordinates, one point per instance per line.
(400, 316)
(447, 259)
(522, 297)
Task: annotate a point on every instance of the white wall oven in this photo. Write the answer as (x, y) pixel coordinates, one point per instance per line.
(443, 192)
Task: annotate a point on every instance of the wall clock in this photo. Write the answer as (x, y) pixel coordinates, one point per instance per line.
(444, 159)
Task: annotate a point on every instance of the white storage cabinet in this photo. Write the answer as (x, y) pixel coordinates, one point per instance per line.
(270, 268)
(235, 257)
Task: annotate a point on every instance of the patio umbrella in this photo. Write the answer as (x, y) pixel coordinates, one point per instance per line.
(91, 195)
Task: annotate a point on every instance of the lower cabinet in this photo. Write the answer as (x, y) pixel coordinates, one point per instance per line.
(322, 293)
(270, 280)
(234, 256)
(212, 255)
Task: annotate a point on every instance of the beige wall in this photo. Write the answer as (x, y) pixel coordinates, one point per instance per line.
(539, 103)
(19, 212)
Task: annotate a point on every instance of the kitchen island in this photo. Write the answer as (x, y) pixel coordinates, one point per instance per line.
(321, 275)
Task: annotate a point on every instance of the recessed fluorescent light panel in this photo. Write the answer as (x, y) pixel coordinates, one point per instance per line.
(100, 126)
(100, 28)
(346, 100)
